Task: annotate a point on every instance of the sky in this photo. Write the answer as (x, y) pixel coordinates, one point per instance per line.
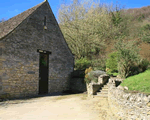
(10, 8)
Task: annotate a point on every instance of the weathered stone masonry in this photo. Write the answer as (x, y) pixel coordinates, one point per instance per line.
(128, 106)
(20, 37)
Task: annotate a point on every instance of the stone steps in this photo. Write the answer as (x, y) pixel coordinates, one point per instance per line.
(99, 93)
(103, 92)
(102, 96)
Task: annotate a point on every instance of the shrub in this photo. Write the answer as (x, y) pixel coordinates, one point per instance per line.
(146, 39)
(111, 63)
(82, 64)
(99, 64)
(115, 74)
(141, 17)
(88, 70)
(128, 54)
(144, 63)
(92, 75)
(87, 79)
(146, 27)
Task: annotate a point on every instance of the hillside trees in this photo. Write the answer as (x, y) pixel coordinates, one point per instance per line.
(84, 25)
(88, 26)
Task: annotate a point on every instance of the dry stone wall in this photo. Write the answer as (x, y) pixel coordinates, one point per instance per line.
(128, 106)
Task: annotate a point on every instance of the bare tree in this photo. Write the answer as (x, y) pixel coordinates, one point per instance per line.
(84, 25)
(2, 20)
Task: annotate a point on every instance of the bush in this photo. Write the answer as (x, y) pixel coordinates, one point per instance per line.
(87, 79)
(141, 17)
(146, 39)
(93, 75)
(128, 54)
(144, 63)
(146, 27)
(114, 74)
(90, 77)
(82, 64)
(111, 63)
(99, 64)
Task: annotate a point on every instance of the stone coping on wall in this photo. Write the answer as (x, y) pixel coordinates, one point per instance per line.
(128, 106)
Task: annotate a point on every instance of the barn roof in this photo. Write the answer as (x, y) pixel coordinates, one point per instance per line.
(9, 25)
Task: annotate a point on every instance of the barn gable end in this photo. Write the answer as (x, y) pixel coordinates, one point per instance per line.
(35, 57)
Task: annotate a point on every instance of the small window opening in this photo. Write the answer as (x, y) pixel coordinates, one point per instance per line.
(45, 21)
(45, 27)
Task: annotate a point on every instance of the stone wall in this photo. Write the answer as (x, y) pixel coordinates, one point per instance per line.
(20, 81)
(1, 60)
(128, 106)
(93, 87)
(77, 85)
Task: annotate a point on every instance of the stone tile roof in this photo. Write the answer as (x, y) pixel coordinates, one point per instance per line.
(9, 25)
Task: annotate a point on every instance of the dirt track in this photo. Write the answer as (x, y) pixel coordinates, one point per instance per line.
(66, 107)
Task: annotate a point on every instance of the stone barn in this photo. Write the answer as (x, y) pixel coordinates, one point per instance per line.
(34, 56)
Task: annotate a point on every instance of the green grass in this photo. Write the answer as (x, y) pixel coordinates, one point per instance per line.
(111, 73)
(138, 83)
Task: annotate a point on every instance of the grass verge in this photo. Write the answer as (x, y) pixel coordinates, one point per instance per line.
(139, 83)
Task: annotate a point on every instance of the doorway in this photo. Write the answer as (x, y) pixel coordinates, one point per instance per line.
(43, 73)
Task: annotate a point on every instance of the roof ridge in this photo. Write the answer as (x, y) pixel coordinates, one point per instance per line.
(12, 23)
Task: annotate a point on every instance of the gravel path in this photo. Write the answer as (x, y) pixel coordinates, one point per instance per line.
(64, 107)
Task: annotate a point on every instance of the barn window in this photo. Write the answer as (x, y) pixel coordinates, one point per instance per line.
(45, 21)
(45, 27)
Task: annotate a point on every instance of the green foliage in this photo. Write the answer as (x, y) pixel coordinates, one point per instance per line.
(115, 74)
(143, 64)
(112, 73)
(140, 18)
(146, 39)
(145, 33)
(146, 27)
(99, 64)
(116, 19)
(82, 64)
(128, 54)
(111, 62)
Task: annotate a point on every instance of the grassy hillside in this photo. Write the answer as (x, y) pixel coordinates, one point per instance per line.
(139, 30)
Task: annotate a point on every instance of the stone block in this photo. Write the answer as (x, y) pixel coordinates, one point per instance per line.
(0, 88)
(0, 79)
(126, 88)
(4, 95)
(146, 99)
(148, 104)
(102, 79)
(31, 72)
